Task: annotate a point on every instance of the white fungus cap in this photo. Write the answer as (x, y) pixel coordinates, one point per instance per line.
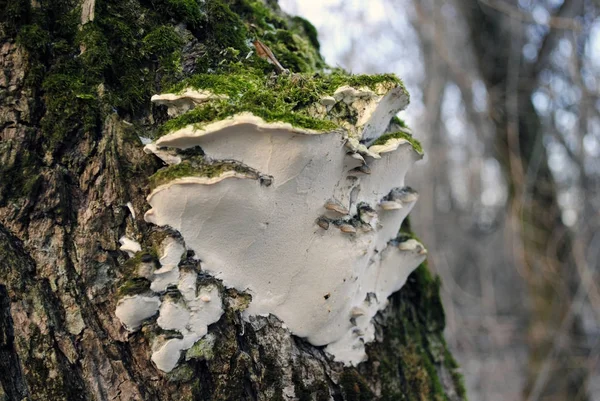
(132, 310)
(130, 246)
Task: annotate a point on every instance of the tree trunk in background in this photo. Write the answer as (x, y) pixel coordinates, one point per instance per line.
(541, 240)
(75, 85)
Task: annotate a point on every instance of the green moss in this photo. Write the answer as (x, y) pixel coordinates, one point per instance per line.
(183, 373)
(309, 30)
(411, 373)
(457, 378)
(301, 90)
(225, 28)
(34, 39)
(196, 116)
(283, 98)
(14, 14)
(202, 349)
(403, 135)
(292, 41)
(130, 48)
(109, 51)
(162, 40)
(134, 286)
(66, 88)
(165, 44)
(71, 104)
(128, 78)
(430, 309)
(222, 110)
(195, 168)
(293, 51)
(188, 11)
(258, 15)
(295, 119)
(339, 78)
(398, 121)
(231, 83)
(434, 381)
(96, 54)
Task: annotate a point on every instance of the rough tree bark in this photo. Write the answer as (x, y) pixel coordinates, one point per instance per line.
(75, 85)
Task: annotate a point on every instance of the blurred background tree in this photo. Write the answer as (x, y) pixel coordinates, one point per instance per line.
(505, 98)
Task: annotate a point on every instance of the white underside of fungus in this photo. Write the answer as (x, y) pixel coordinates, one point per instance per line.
(304, 247)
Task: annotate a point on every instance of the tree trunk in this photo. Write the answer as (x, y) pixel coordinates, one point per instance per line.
(75, 87)
(542, 242)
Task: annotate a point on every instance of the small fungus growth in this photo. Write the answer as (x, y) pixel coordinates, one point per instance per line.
(180, 303)
(191, 315)
(130, 246)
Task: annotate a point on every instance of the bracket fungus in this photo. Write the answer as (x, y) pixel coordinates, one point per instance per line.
(175, 297)
(316, 245)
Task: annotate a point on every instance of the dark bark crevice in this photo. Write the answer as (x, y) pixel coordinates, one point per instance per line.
(11, 374)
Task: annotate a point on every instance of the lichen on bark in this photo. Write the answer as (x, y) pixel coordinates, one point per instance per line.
(75, 101)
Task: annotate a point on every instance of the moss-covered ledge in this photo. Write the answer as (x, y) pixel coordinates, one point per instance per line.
(293, 98)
